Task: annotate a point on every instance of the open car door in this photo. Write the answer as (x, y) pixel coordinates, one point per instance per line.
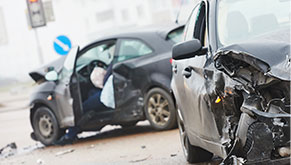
(124, 91)
(68, 91)
(128, 98)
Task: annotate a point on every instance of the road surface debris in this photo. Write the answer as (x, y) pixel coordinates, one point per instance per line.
(64, 152)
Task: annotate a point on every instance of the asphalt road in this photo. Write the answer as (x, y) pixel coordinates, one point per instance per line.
(113, 145)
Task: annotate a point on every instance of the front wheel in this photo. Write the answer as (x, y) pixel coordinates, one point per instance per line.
(160, 109)
(45, 125)
(192, 153)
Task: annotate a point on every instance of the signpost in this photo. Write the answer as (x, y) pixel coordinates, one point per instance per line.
(37, 19)
(36, 13)
(62, 45)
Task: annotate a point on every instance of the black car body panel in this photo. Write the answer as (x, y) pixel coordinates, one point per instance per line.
(39, 98)
(234, 100)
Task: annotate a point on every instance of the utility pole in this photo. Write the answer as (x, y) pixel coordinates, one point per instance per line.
(39, 50)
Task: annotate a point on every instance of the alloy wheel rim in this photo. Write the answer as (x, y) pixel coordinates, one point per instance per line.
(45, 126)
(158, 109)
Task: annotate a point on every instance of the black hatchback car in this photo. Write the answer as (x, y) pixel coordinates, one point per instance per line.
(231, 82)
(141, 77)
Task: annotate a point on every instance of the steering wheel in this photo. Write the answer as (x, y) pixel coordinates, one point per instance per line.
(95, 63)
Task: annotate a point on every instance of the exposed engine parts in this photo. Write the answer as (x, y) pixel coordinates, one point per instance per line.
(263, 128)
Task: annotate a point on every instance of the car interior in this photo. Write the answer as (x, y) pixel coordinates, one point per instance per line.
(100, 55)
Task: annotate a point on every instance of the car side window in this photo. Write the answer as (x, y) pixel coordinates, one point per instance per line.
(200, 25)
(102, 51)
(132, 48)
(190, 25)
(196, 26)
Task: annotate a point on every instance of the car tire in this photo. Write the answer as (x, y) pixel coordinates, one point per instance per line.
(46, 127)
(160, 109)
(192, 153)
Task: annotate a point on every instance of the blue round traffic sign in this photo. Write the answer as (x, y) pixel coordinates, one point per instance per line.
(62, 45)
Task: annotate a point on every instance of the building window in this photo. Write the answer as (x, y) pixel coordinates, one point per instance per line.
(105, 16)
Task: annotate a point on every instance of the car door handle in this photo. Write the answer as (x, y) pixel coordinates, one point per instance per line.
(187, 72)
(175, 69)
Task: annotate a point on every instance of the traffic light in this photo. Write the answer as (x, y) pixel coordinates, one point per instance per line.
(36, 13)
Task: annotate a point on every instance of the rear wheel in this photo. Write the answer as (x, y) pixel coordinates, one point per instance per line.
(45, 125)
(192, 153)
(160, 109)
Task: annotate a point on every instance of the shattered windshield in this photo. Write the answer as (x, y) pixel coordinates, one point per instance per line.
(241, 20)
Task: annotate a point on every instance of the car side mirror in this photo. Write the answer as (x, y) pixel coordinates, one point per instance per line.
(51, 75)
(187, 49)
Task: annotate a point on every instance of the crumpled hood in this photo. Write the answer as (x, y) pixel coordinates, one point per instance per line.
(273, 52)
(39, 74)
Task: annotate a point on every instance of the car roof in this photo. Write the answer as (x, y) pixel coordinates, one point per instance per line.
(162, 30)
(140, 32)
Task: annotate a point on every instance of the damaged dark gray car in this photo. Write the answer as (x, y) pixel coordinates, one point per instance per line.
(141, 69)
(231, 82)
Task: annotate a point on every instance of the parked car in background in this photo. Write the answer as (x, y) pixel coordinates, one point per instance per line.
(231, 82)
(141, 78)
